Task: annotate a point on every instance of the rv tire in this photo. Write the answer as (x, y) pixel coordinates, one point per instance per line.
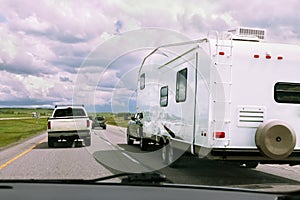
(167, 154)
(164, 153)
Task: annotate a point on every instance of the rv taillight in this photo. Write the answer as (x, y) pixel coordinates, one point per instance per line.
(221, 53)
(220, 134)
(256, 56)
(49, 125)
(280, 58)
(268, 56)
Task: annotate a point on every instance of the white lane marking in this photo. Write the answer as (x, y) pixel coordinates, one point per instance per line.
(107, 140)
(132, 159)
(108, 143)
(120, 148)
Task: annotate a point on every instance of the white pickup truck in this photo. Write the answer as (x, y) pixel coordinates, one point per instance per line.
(69, 123)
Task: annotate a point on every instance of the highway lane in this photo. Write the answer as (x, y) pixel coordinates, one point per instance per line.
(10, 153)
(191, 170)
(66, 161)
(33, 159)
(108, 154)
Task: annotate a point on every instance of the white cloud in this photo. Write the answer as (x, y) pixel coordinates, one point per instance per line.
(43, 43)
(67, 21)
(33, 24)
(14, 90)
(7, 46)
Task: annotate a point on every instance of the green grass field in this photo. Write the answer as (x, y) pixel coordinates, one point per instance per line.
(12, 131)
(23, 112)
(115, 119)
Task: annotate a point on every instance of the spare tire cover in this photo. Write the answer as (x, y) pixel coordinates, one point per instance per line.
(275, 139)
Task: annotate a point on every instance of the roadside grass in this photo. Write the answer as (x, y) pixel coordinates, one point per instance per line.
(115, 119)
(12, 131)
(23, 112)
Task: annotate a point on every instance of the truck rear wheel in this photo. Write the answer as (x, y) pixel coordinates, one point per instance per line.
(143, 141)
(143, 144)
(87, 141)
(129, 140)
(51, 142)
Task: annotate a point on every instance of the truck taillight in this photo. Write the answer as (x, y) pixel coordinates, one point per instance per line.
(220, 134)
(88, 123)
(49, 125)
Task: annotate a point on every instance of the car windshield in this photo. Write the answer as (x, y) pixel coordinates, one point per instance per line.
(203, 92)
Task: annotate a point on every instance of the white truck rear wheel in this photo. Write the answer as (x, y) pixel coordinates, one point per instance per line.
(275, 139)
(87, 141)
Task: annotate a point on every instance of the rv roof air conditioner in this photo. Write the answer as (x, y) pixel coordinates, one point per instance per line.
(248, 34)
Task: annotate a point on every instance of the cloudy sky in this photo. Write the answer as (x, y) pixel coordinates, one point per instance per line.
(50, 47)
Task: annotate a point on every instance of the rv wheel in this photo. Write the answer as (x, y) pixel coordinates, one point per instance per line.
(275, 139)
(164, 154)
(167, 154)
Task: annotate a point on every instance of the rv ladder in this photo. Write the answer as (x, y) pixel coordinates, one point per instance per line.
(221, 86)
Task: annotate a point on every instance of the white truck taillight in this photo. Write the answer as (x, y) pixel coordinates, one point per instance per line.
(49, 125)
(88, 123)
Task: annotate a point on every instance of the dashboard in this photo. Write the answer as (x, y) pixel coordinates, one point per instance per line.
(46, 191)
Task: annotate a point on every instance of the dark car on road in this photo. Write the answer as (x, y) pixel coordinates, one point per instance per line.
(99, 121)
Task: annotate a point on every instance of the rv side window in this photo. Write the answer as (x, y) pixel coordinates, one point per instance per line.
(142, 81)
(164, 96)
(287, 92)
(181, 85)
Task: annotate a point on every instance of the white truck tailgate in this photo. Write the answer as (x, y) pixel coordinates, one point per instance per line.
(61, 124)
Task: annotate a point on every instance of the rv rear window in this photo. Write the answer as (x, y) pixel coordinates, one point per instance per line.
(164, 96)
(287, 92)
(142, 81)
(181, 85)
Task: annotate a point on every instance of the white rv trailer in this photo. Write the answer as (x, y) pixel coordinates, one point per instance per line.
(230, 96)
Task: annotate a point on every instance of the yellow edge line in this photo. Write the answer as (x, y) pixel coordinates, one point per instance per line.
(21, 154)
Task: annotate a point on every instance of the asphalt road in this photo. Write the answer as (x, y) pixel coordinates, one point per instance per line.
(108, 154)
